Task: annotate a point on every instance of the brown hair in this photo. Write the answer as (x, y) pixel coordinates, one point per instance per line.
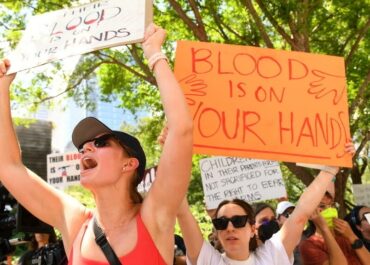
(248, 210)
(136, 179)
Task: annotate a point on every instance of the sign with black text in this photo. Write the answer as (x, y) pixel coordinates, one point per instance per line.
(248, 179)
(63, 169)
(66, 32)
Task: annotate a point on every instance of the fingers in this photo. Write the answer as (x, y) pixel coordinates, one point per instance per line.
(162, 137)
(4, 66)
(340, 225)
(349, 148)
(153, 39)
(151, 29)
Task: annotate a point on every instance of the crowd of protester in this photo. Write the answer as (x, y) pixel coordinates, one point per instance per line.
(140, 230)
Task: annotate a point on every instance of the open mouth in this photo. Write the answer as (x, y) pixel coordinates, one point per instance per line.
(88, 163)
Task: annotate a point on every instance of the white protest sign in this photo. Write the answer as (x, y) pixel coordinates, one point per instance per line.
(66, 32)
(247, 179)
(147, 181)
(63, 169)
(361, 192)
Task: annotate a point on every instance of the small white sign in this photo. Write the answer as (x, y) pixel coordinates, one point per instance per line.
(63, 169)
(66, 32)
(147, 181)
(361, 192)
(248, 179)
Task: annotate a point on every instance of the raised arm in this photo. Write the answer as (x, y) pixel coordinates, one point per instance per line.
(335, 254)
(174, 168)
(30, 190)
(292, 229)
(190, 232)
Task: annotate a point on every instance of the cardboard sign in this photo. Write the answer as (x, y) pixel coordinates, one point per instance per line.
(63, 169)
(147, 181)
(265, 103)
(79, 30)
(247, 179)
(361, 192)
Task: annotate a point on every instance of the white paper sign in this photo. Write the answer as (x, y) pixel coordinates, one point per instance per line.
(79, 30)
(361, 192)
(147, 181)
(247, 179)
(63, 169)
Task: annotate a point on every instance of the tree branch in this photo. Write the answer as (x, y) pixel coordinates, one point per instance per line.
(144, 67)
(84, 76)
(248, 4)
(364, 141)
(300, 172)
(357, 102)
(194, 28)
(128, 68)
(360, 36)
(198, 18)
(275, 24)
(219, 23)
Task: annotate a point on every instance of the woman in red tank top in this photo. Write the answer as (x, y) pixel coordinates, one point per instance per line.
(112, 165)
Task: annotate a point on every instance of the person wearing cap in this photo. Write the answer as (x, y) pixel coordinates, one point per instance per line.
(112, 164)
(284, 209)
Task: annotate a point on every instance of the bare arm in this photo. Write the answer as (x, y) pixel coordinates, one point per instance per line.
(335, 254)
(174, 168)
(343, 228)
(190, 231)
(30, 190)
(292, 229)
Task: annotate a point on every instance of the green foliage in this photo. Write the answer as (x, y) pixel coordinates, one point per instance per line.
(293, 185)
(82, 195)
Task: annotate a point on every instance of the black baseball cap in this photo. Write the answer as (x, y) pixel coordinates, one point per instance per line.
(90, 127)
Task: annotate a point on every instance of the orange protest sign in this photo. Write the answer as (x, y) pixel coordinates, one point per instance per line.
(265, 103)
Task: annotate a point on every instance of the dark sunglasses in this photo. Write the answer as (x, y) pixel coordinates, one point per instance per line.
(238, 221)
(98, 142)
(286, 215)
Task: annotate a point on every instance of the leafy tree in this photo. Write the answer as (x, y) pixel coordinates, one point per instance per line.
(337, 27)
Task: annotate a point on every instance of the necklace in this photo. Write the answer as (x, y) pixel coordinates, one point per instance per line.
(110, 229)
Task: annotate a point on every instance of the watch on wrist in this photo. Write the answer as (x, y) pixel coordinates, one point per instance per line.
(357, 244)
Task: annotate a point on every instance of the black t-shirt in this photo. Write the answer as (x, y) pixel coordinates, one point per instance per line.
(26, 258)
(179, 246)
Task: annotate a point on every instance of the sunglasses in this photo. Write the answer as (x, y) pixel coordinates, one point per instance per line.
(98, 142)
(323, 206)
(238, 221)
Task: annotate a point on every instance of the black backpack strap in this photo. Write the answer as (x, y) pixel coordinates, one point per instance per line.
(103, 243)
